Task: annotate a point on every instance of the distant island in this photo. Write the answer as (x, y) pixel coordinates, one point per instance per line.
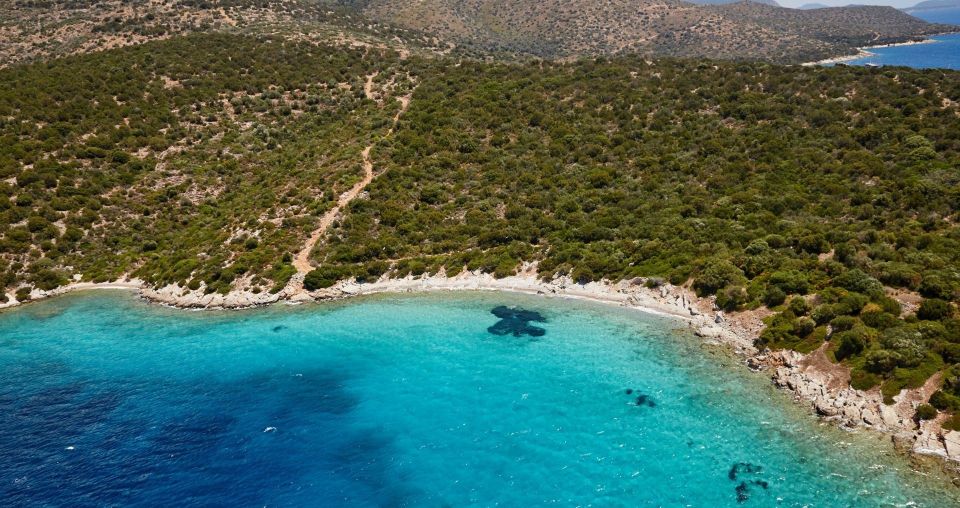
(934, 5)
(723, 2)
(813, 6)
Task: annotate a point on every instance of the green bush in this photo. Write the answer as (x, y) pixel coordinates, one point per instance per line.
(715, 275)
(933, 309)
(925, 412)
(945, 401)
(857, 281)
(850, 343)
(862, 380)
(732, 297)
(803, 327)
(842, 323)
(799, 306)
(773, 296)
(952, 423)
(23, 294)
(792, 281)
(324, 277)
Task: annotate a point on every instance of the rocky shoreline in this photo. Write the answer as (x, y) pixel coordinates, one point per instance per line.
(813, 379)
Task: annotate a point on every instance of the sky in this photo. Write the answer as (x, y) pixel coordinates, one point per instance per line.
(837, 3)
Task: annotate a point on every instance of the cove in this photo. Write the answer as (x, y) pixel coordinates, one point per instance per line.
(409, 401)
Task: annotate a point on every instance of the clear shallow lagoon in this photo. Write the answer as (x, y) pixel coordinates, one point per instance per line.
(945, 53)
(408, 401)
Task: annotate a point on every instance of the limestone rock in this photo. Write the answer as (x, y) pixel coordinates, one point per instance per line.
(824, 408)
(889, 415)
(870, 417)
(951, 441)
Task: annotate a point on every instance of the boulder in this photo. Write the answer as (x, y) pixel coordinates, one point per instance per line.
(870, 417)
(889, 415)
(951, 441)
(824, 408)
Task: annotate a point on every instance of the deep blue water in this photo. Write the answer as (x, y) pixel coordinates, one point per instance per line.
(409, 401)
(945, 53)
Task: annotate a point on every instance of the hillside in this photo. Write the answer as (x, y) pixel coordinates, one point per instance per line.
(32, 29)
(559, 28)
(843, 26)
(134, 162)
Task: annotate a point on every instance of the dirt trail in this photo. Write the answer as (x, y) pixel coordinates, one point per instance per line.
(368, 85)
(302, 260)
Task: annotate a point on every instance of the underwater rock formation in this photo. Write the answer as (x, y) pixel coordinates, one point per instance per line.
(516, 322)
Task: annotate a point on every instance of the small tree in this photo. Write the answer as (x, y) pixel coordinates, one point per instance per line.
(717, 274)
(933, 309)
(925, 412)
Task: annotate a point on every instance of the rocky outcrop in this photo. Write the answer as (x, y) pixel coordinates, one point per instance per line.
(825, 386)
(175, 296)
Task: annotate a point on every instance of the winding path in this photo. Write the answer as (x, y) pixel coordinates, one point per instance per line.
(302, 260)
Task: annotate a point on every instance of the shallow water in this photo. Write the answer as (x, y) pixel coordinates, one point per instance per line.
(944, 53)
(408, 401)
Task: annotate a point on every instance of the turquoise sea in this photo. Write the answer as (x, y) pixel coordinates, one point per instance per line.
(944, 53)
(416, 400)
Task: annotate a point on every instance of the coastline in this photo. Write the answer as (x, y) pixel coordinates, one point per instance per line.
(864, 52)
(813, 379)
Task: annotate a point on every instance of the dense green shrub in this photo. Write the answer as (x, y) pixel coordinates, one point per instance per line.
(857, 281)
(799, 306)
(717, 274)
(925, 412)
(850, 342)
(732, 297)
(773, 296)
(842, 323)
(933, 309)
(324, 277)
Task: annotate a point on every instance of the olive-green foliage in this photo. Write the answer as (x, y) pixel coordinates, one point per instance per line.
(933, 309)
(926, 412)
(198, 160)
(324, 277)
(773, 296)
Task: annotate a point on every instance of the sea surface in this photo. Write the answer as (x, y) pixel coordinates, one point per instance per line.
(944, 53)
(416, 400)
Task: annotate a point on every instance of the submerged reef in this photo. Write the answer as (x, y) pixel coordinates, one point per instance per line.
(642, 399)
(743, 488)
(516, 322)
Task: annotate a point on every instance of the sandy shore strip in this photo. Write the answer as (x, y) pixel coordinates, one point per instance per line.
(864, 52)
(813, 379)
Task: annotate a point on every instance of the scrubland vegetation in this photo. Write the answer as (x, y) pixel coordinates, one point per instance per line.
(201, 160)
